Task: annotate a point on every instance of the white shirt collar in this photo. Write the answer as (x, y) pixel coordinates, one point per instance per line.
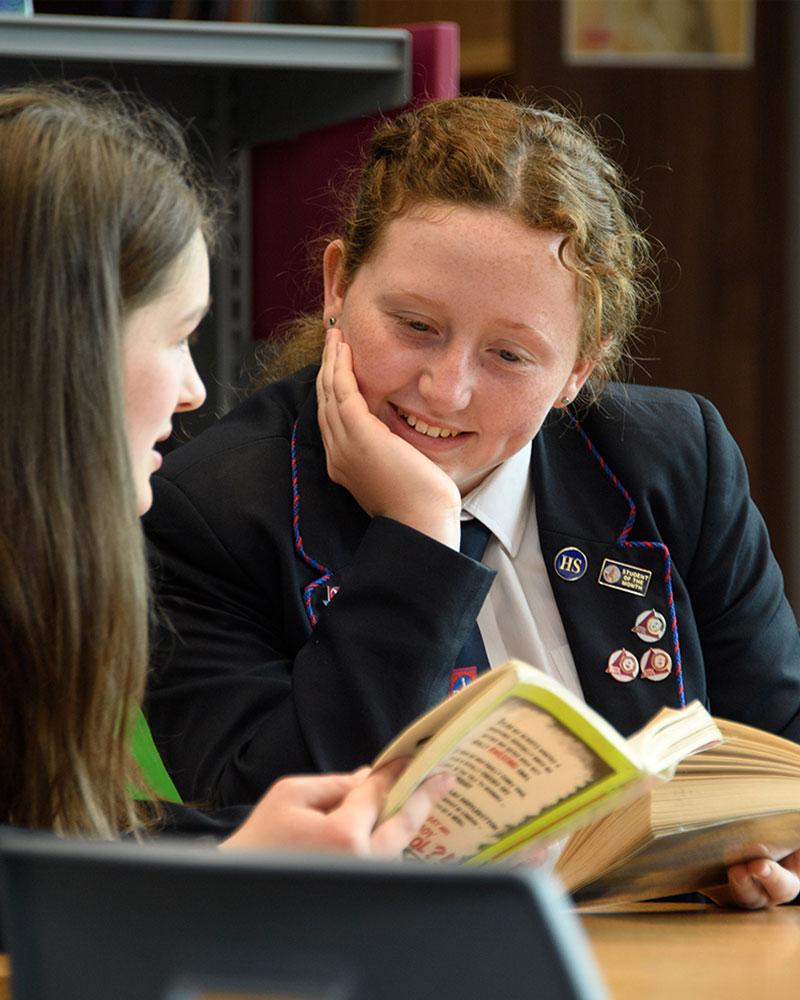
(503, 500)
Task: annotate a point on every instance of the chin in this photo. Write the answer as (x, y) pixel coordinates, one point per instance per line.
(144, 500)
(467, 481)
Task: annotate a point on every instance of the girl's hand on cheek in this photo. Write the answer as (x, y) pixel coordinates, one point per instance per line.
(384, 473)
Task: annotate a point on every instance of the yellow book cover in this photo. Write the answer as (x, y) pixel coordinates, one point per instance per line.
(531, 762)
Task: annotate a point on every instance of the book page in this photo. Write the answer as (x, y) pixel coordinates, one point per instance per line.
(672, 734)
(518, 763)
(693, 858)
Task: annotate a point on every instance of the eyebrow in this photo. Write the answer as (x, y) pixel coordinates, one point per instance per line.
(498, 320)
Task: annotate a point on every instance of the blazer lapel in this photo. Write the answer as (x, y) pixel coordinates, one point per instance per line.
(331, 523)
(581, 515)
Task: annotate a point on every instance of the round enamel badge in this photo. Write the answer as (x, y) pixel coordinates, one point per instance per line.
(650, 625)
(656, 664)
(623, 666)
(570, 564)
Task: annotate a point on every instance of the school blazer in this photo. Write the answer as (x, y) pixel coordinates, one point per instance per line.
(245, 689)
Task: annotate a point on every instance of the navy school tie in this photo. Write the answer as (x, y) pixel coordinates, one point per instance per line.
(472, 659)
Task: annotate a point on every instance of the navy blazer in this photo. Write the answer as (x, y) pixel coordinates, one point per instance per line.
(739, 642)
(244, 689)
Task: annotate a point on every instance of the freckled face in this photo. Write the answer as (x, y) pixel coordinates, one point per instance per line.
(158, 373)
(464, 328)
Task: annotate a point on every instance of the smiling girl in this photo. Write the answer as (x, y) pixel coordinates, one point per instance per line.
(479, 305)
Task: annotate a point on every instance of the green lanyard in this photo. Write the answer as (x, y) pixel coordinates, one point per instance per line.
(151, 764)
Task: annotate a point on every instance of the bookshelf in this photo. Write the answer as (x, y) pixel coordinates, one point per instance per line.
(239, 85)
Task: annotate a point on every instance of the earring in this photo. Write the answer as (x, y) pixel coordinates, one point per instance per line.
(564, 400)
(332, 321)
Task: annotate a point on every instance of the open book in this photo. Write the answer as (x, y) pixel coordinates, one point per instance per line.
(531, 762)
(735, 801)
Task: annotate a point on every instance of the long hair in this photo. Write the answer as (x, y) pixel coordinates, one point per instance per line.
(538, 165)
(97, 199)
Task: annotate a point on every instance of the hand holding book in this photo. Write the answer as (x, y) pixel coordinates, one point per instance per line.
(728, 815)
(531, 762)
(684, 804)
(759, 883)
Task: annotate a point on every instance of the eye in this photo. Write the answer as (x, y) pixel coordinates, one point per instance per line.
(509, 356)
(412, 326)
(187, 342)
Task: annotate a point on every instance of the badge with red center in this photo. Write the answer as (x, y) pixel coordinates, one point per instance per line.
(623, 666)
(656, 664)
(650, 625)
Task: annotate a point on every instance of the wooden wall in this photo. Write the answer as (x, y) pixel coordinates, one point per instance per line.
(709, 149)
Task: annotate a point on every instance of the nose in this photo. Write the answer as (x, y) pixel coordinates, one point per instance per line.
(448, 380)
(193, 390)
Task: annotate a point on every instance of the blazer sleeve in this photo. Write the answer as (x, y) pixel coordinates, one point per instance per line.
(748, 631)
(206, 826)
(243, 691)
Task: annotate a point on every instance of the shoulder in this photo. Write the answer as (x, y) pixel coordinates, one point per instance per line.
(267, 416)
(640, 421)
(651, 438)
(648, 407)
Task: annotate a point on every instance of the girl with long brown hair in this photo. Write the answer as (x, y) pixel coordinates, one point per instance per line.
(105, 227)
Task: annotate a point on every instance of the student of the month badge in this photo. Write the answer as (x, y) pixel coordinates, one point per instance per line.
(622, 576)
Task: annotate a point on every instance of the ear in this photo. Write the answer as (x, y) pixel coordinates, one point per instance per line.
(582, 370)
(333, 275)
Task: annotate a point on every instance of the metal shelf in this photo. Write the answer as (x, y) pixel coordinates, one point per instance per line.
(239, 85)
(322, 74)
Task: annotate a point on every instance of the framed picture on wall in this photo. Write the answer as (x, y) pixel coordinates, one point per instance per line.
(659, 32)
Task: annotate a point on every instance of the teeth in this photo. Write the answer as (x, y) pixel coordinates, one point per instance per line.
(421, 427)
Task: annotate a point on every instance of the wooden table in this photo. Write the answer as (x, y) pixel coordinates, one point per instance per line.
(674, 951)
(655, 951)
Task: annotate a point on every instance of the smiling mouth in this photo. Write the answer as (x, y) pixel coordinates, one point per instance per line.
(428, 430)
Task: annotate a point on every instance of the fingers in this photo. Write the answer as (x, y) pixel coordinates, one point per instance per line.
(385, 474)
(333, 338)
(338, 812)
(391, 836)
(325, 378)
(336, 378)
(352, 824)
(363, 804)
(343, 824)
(757, 884)
(301, 812)
(320, 792)
(344, 416)
(776, 884)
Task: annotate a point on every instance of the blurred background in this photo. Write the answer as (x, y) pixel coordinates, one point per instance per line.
(698, 101)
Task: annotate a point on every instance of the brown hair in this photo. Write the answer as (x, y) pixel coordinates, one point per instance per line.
(97, 200)
(538, 165)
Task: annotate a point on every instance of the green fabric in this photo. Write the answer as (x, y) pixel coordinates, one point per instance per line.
(151, 764)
